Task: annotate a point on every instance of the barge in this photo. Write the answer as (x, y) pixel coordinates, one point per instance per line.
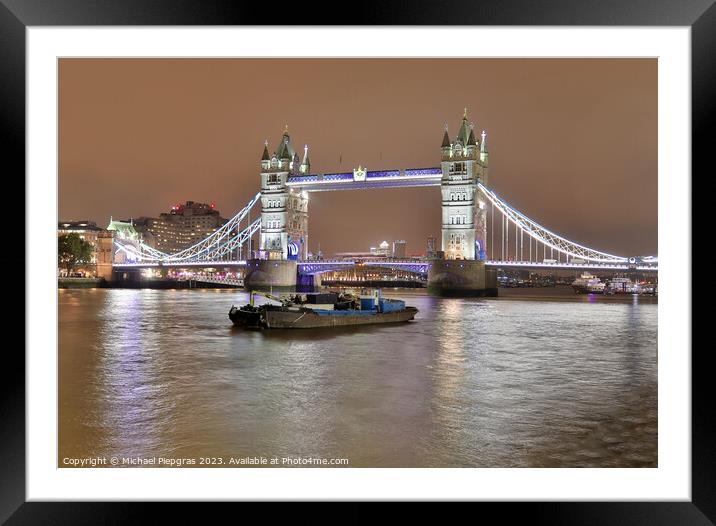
(309, 311)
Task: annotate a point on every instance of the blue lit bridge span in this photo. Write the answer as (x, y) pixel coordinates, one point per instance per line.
(515, 240)
(420, 266)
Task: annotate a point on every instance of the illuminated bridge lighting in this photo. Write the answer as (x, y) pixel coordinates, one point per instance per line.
(181, 264)
(576, 266)
(373, 179)
(220, 248)
(224, 241)
(546, 237)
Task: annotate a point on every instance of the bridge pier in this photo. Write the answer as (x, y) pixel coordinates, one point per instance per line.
(125, 276)
(265, 274)
(308, 282)
(461, 278)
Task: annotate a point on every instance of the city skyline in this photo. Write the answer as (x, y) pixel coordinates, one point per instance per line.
(572, 142)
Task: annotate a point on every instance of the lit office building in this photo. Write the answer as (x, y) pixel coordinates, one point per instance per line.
(399, 249)
(184, 225)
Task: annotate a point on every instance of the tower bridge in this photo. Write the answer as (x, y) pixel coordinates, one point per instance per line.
(473, 217)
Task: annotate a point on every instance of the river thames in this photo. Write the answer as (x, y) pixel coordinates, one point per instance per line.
(535, 378)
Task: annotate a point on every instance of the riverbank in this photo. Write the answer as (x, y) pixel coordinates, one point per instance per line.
(556, 293)
(165, 284)
(159, 284)
(79, 283)
(566, 293)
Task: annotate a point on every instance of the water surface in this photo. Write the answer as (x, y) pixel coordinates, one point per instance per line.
(469, 383)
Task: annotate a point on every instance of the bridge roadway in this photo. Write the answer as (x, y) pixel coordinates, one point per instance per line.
(410, 265)
(368, 179)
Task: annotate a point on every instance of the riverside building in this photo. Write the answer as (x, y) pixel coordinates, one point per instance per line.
(184, 225)
(87, 230)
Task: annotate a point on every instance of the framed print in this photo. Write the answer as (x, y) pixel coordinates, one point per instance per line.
(477, 319)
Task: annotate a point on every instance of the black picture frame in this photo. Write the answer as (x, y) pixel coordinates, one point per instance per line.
(699, 15)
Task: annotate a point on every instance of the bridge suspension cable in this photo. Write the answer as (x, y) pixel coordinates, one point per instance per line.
(541, 234)
(218, 244)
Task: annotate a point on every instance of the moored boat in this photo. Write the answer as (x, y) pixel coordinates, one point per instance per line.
(321, 310)
(588, 284)
(622, 286)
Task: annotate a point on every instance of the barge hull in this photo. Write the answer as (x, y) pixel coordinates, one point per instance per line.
(277, 319)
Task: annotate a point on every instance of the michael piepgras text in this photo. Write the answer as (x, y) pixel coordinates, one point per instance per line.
(174, 462)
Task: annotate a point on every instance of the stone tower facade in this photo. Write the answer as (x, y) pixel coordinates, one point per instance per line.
(284, 212)
(464, 216)
(105, 255)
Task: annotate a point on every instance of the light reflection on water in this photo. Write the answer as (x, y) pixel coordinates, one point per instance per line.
(474, 383)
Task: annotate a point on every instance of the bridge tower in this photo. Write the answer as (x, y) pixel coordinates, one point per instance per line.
(461, 271)
(284, 213)
(284, 219)
(464, 217)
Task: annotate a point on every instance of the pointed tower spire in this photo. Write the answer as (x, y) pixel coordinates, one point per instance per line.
(464, 134)
(285, 149)
(471, 140)
(306, 163)
(285, 154)
(446, 138)
(483, 149)
(265, 156)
